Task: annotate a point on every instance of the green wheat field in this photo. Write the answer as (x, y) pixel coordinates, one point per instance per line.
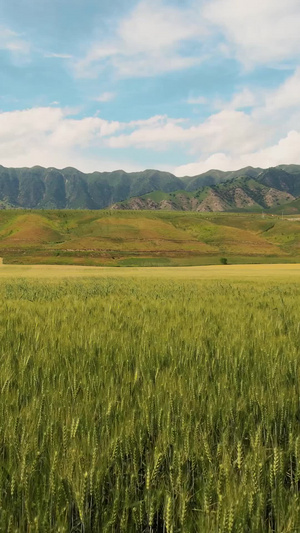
(144, 401)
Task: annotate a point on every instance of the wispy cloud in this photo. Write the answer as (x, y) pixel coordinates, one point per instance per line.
(57, 56)
(245, 98)
(156, 38)
(105, 97)
(13, 42)
(197, 100)
(257, 32)
(149, 41)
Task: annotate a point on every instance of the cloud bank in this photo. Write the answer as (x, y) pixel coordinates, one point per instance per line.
(229, 138)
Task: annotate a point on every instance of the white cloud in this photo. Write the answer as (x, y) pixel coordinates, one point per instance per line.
(286, 96)
(241, 100)
(285, 151)
(226, 130)
(257, 32)
(278, 108)
(105, 97)
(157, 137)
(267, 136)
(13, 42)
(147, 42)
(50, 136)
(54, 136)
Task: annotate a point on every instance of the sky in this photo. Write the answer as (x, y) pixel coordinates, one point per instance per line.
(182, 85)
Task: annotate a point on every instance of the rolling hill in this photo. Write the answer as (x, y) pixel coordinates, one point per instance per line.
(248, 189)
(146, 238)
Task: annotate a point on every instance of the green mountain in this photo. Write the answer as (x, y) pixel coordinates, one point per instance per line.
(249, 189)
(214, 177)
(49, 188)
(246, 190)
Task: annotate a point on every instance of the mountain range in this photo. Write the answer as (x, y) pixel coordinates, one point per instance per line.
(248, 189)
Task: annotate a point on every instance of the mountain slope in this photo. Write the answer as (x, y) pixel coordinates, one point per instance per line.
(246, 189)
(281, 179)
(214, 177)
(41, 188)
(268, 190)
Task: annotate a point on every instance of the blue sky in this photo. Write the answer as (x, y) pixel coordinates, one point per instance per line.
(183, 86)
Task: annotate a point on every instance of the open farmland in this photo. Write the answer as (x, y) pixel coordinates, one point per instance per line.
(139, 400)
(146, 238)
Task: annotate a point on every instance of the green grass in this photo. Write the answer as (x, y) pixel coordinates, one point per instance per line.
(150, 404)
(156, 196)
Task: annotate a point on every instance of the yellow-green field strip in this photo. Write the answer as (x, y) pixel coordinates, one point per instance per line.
(281, 271)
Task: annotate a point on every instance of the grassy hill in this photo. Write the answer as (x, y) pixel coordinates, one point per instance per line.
(145, 237)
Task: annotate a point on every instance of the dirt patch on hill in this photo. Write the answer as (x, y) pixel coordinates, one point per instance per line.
(274, 196)
(242, 199)
(212, 203)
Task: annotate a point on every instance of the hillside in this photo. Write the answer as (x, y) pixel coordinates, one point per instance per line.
(49, 188)
(248, 189)
(214, 177)
(265, 190)
(145, 237)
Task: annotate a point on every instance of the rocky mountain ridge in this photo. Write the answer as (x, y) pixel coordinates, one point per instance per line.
(246, 189)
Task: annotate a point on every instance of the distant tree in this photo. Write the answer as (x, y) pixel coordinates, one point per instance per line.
(224, 261)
